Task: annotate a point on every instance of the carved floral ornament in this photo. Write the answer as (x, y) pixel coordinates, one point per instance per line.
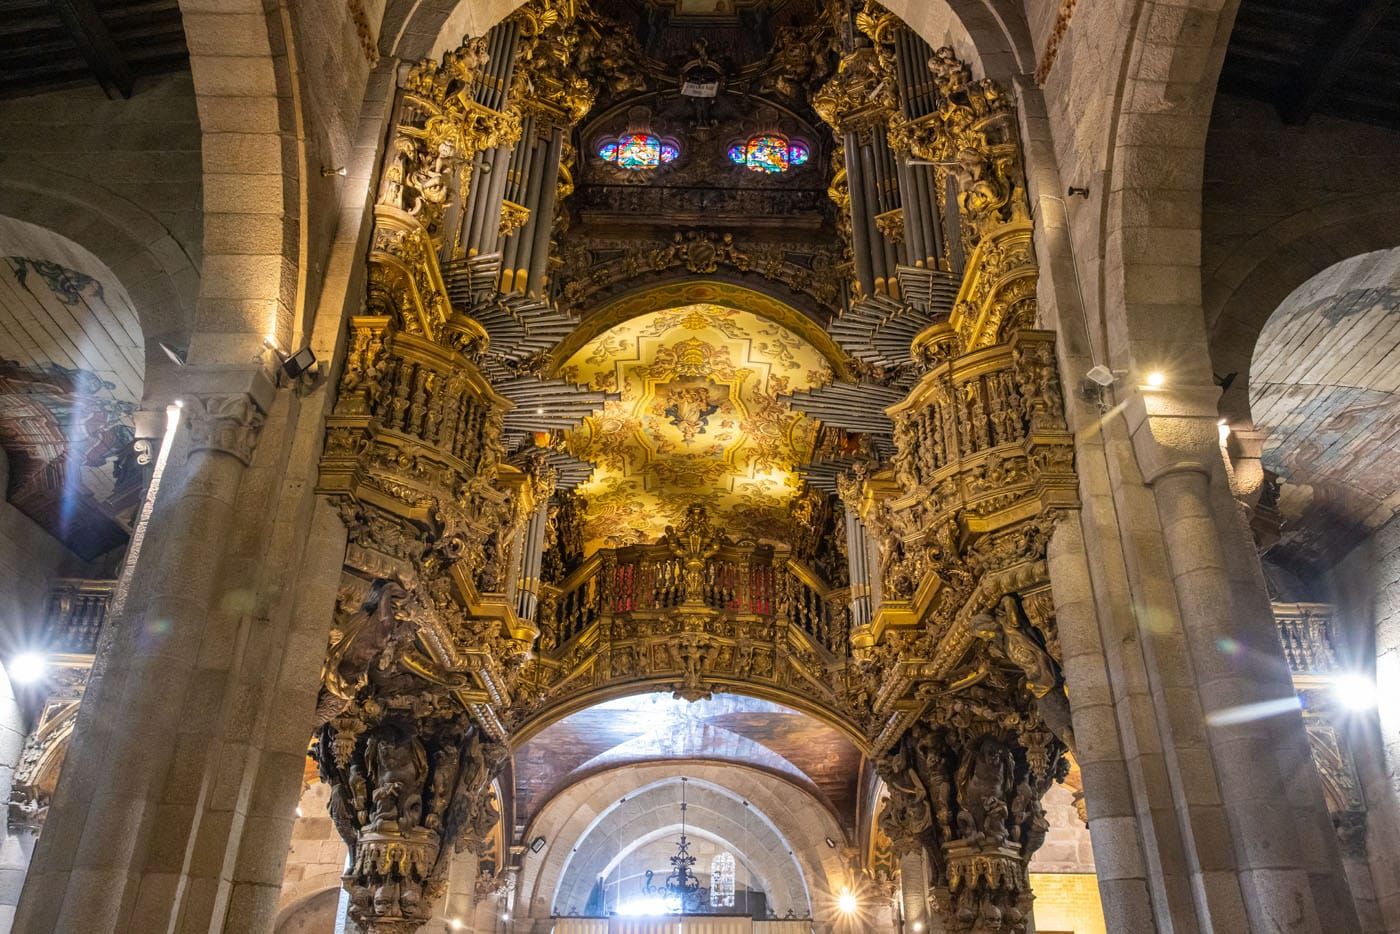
(953, 680)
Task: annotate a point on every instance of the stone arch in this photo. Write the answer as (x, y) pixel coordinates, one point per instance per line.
(1262, 275)
(651, 816)
(627, 687)
(128, 247)
(990, 34)
(243, 62)
(796, 817)
(1326, 395)
(1168, 68)
(310, 914)
(667, 830)
(691, 290)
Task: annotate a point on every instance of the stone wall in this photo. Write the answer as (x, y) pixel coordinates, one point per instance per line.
(30, 559)
(1067, 847)
(1280, 204)
(1366, 589)
(124, 180)
(317, 854)
(145, 149)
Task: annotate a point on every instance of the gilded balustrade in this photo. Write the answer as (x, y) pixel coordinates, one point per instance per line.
(643, 582)
(694, 613)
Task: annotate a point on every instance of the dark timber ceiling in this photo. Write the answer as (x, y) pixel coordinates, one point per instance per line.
(50, 45)
(1334, 57)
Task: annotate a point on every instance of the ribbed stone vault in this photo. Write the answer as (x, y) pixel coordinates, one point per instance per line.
(713, 812)
(778, 830)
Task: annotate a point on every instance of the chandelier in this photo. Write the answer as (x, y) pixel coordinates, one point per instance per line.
(681, 893)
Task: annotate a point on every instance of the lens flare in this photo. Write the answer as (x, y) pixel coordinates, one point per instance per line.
(28, 667)
(1355, 691)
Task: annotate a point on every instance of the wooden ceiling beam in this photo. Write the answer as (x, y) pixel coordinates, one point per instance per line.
(1337, 44)
(95, 43)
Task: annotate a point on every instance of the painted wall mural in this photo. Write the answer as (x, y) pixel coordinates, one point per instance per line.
(699, 421)
(70, 376)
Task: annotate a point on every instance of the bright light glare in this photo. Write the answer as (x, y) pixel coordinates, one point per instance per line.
(847, 903)
(918, 925)
(1355, 691)
(1156, 379)
(1224, 429)
(28, 667)
(456, 924)
(1247, 713)
(644, 906)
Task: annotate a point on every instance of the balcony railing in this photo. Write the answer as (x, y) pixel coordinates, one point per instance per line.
(752, 581)
(1306, 631)
(76, 611)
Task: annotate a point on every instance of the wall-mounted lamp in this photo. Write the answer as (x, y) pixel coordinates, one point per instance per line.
(1094, 388)
(327, 171)
(294, 365)
(537, 844)
(177, 357)
(1081, 192)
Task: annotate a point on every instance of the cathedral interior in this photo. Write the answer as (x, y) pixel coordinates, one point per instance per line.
(641, 466)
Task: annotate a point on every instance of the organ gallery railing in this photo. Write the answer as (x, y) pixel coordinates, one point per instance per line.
(1307, 634)
(692, 612)
(739, 581)
(75, 614)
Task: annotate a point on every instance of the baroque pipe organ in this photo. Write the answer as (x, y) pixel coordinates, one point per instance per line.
(469, 608)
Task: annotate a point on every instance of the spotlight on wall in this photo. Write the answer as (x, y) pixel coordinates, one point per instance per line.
(294, 365)
(1354, 691)
(537, 844)
(1095, 386)
(1100, 375)
(28, 667)
(1156, 379)
(847, 903)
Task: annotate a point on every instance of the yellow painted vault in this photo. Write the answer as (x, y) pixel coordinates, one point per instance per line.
(699, 421)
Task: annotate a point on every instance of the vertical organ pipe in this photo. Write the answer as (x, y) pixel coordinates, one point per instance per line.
(874, 244)
(914, 250)
(542, 216)
(517, 248)
(865, 271)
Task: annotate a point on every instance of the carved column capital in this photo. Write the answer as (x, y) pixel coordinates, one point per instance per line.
(227, 423)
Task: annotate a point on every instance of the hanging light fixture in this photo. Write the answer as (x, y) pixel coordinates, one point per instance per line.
(681, 893)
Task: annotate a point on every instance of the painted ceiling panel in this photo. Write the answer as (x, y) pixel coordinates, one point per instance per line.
(698, 422)
(658, 726)
(1325, 385)
(71, 374)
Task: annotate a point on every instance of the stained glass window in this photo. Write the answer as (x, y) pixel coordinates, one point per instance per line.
(722, 881)
(639, 151)
(769, 153)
